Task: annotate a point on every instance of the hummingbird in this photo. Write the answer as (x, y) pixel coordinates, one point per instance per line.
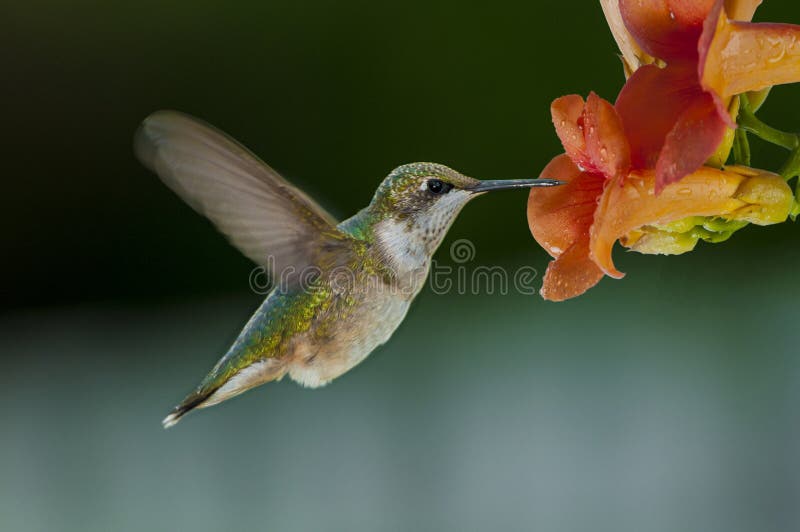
(339, 289)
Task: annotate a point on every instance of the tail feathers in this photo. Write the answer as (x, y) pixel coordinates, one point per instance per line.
(193, 401)
(215, 389)
(173, 418)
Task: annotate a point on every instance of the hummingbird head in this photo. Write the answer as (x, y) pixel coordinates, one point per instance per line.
(417, 203)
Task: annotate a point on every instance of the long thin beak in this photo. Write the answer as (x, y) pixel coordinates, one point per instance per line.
(502, 184)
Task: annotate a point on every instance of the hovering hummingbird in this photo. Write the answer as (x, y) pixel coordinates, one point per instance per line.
(339, 289)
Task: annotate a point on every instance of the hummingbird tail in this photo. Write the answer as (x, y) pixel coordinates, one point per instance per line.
(171, 419)
(221, 390)
(193, 401)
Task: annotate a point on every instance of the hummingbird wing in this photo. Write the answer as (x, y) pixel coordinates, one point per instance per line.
(270, 221)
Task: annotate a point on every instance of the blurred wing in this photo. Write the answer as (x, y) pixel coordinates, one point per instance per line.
(259, 211)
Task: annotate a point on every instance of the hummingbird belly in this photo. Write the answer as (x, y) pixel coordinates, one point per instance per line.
(314, 336)
(345, 336)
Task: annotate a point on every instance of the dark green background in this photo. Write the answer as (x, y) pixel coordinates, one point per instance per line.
(666, 401)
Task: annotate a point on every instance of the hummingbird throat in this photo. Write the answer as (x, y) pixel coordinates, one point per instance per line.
(407, 244)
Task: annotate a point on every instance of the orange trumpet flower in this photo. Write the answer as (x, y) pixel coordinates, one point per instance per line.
(606, 199)
(686, 60)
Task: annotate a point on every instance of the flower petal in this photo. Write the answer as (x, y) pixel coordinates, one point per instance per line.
(667, 29)
(632, 55)
(567, 115)
(559, 216)
(735, 194)
(592, 134)
(767, 196)
(659, 242)
(741, 9)
(737, 57)
(572, 274)
(606, 144)
(723, 151)
(559, 219)
(695, 137)
(651, 102)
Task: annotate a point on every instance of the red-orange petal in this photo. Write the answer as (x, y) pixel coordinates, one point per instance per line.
(567, 115)
(606, 144)
(650, 104)
(559, 219)
(713, 29)
(737, 57)
(667, 29)
(572, 274)
(559, 216)
(695, 137)
(622, 209)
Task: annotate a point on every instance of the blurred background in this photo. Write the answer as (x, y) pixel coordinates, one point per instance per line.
(667, 401)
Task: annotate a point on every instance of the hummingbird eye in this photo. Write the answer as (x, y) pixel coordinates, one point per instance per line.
(437, 186)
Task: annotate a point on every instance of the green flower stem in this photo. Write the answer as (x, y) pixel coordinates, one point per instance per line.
(741, 147)
(791, 168)
(750, 123)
